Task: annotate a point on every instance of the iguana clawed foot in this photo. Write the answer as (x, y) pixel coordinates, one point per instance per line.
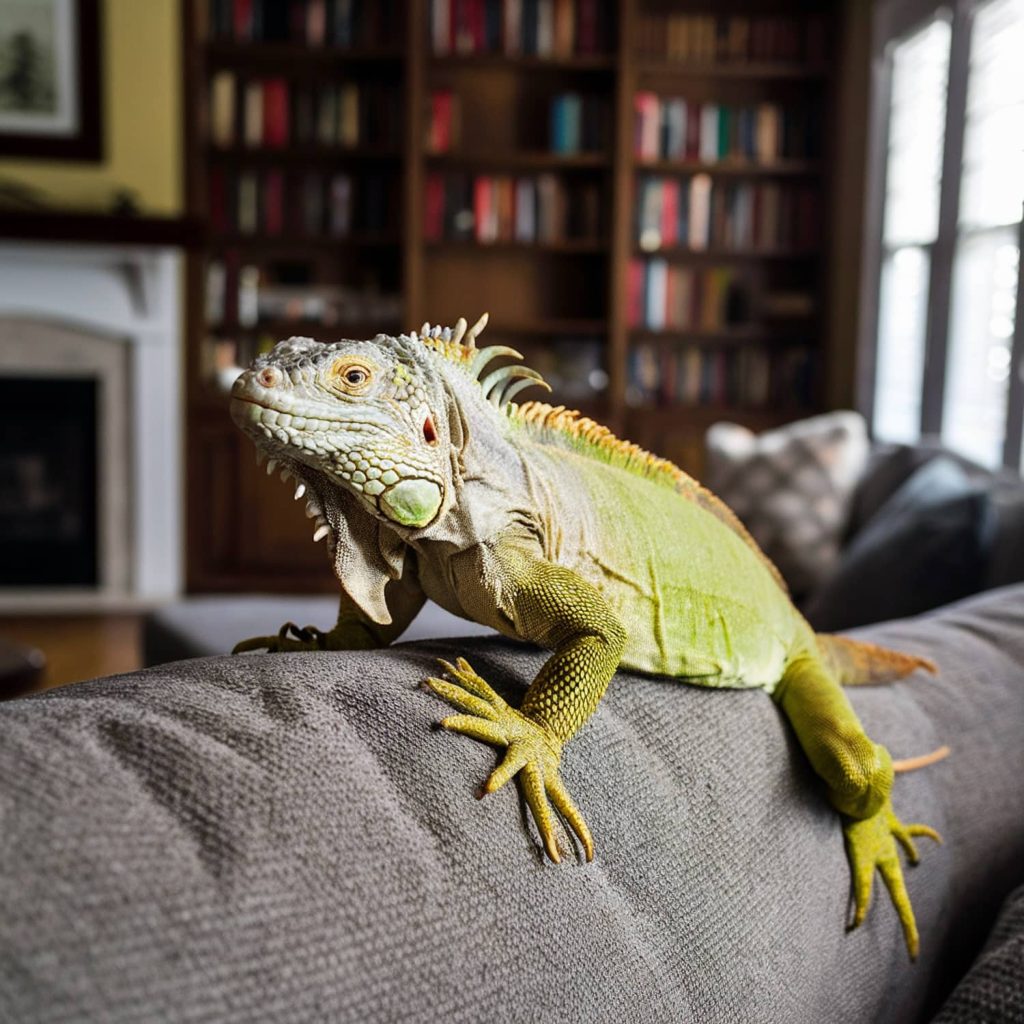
(289, 638)
(532, 751)
(871, 843)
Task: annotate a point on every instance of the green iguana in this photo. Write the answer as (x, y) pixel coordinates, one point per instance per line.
(427, 480)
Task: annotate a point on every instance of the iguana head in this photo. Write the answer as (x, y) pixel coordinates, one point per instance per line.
(365, 416)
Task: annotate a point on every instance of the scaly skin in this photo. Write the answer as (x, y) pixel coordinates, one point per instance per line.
(427, 481)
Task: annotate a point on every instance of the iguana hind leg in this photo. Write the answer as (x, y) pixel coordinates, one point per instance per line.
(859, 777)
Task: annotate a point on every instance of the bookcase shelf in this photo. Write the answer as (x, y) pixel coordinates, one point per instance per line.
(724, 336)
(295, 56)
(515, 63)
(568, 246)
(539, 161)
(754, 71)
(301, 155)
(680, 254)
(425, 228)
(732, 168)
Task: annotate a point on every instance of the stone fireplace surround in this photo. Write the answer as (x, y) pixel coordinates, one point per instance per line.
(110, 312)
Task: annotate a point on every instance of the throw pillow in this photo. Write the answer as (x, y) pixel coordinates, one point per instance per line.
(792, 488)
(925, 547)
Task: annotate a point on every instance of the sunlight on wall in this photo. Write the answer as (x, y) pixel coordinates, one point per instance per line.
(141, 113)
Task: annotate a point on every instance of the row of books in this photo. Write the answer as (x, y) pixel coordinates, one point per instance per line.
(577, 124)
(276, 202)
(753, 376)
(722, 38)
(541, 28)
(664, 296)
(243, 296)
(346, 24)
(275, 113)
(530, 209)
(695, 213)
(678, 129)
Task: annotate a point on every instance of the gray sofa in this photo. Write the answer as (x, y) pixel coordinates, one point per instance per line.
(289, 838)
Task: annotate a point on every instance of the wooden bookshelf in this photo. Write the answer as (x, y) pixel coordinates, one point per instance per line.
(559, 290)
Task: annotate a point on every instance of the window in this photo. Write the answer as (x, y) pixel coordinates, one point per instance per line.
(942, 334)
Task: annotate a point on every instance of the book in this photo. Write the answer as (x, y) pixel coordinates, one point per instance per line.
(273, 202)
(708, 133)
(348, 115)
(700, 211)
(526, 210)
(248, 199)
(253, 114)
(275, 131)
(340, 213)
(222, 108)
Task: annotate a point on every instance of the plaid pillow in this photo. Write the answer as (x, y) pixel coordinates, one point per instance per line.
(792, 487)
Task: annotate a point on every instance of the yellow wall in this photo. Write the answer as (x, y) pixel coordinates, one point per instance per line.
(141, 114)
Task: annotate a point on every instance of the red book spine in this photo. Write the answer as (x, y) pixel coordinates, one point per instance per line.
(669, 212)
(275, 112)
(241, 22)
(433, 226)
(635, 293)
(273, 203)
(482, 207)
(479, 27)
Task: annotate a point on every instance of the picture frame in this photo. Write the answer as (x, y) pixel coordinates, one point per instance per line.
(50, 79)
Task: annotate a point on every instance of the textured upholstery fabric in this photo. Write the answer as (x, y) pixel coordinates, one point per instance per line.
(792, 487)
(285, 837)
(993, 991)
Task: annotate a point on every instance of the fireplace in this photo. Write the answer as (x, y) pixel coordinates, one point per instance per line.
(48, 493)
(90, 426)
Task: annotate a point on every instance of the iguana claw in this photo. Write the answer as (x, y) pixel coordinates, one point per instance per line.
(871, 843)
(532, 752)
(289, 638)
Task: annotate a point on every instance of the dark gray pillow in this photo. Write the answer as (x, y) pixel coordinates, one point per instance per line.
(925, 547)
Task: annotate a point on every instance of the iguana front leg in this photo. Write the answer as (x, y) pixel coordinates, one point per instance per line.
(353, 630)
(553, 607)
(859, 777)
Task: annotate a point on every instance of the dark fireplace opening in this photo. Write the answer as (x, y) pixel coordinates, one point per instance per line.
(48, 491)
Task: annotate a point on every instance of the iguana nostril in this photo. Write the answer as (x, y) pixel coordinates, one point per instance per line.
(269, 377)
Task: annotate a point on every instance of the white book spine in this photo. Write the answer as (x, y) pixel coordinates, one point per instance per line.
(657, 283)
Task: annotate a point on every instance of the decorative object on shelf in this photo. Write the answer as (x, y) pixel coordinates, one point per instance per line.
(50, 79)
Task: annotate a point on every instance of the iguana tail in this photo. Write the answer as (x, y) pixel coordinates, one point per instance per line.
(856, 663)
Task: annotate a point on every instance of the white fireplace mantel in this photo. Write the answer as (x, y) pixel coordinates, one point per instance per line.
(129, 294)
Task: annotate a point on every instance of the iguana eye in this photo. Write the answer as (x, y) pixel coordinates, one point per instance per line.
(353, 377)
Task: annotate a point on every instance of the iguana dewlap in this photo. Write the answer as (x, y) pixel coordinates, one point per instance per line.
(427, 480)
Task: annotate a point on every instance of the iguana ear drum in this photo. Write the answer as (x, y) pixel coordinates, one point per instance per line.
(411, 502)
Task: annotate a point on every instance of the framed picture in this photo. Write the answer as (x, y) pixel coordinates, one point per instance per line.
(50, 79)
